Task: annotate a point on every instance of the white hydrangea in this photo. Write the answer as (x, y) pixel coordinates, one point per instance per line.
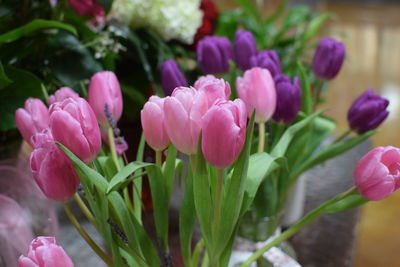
(171, 19)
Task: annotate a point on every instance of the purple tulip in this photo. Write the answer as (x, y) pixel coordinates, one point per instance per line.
(288, 99)
(104, 89)
(267, 59)
(32, 119)
(44, 252)
(213, 54)
(244, 48)
(171, 76)
(62, 94)
(367, 112)
(328, 58)
(73, 124)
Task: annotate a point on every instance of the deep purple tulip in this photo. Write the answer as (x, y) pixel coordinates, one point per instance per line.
(213, 54)
(288, 99)
(328, 58)
(171, 76)
(367, 112)
(267, 59)
(244, 48)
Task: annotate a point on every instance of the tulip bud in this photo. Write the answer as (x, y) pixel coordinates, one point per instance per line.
(213, 54)
(32, 119)
(257, 89)
(87, 8)
(171, 76)
(224, 132)
(244, 48)
(288, 99)
(104, 89)
(328, 58)
(213, 88)
(53, 171)
(367, 112)
(183, 113)
(267, 59)
(62, 94)
(73, 124)
(152, 117)
(377, 174)
(44, 252)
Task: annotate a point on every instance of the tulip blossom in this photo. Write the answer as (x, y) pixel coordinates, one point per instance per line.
(257, 89)
(62, 94)
(32, 119)
(367, 112)
(267, 59)
(73, 124)
(328, 58)
(44, 252)
(213, 88)
(152, 117)
(171, 76)
(53, 171)
(224, 132)
(288, 100)
(377, 174)
(213, 54)
(87, 8)
(104, 89)
(244, 48)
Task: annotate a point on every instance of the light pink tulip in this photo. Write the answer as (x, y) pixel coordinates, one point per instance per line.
(224, 132)
(44, 252)
(61, 94)
(377, 174)
(73, 124)
(32, 119)
(152, 117)
(183, 113)
(53, 170)
(257, 89)
(213, 88)
(104, 89)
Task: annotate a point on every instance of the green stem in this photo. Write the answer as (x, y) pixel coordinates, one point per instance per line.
(261, 137)
(317, 94)
(158, 158)
(112, 148)
(218, 194)
(344, 135)
(196, 254)
(206, 260)
(312, 215)
(86, 236)
(85, 210)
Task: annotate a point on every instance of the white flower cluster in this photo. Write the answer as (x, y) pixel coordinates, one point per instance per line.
(171, 19)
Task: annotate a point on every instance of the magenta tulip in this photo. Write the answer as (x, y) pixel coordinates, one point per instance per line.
(44, 252)
(213, 88)
(87, 8)
(32, 119)
(377, 174)
(104, 89)
(152, 117)
(224, 132)
(62, 94)
(73, 124)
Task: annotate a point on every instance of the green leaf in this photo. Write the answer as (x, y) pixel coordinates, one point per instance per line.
(278, 11)
(106, 4)
(250, 8)
(306, 97)
(4, 80)
(350, 202)
(314, 25)
(120, 179)
(137, 185)
(169, 169)
(33, 26)
(107, 165)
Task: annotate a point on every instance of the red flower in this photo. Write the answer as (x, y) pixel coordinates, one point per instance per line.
(210, 16)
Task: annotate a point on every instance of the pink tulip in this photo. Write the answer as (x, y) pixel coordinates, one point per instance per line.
(152, 117)
(183, 113)
(257, 90)
(31, 119)
(224, 132)
(44, 252)
(53, 170)
(213, 88)
(377, 174)
(104, 89)
(61, 94)
(73, 124)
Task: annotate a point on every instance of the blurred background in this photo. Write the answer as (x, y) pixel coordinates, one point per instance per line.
(371, 33)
